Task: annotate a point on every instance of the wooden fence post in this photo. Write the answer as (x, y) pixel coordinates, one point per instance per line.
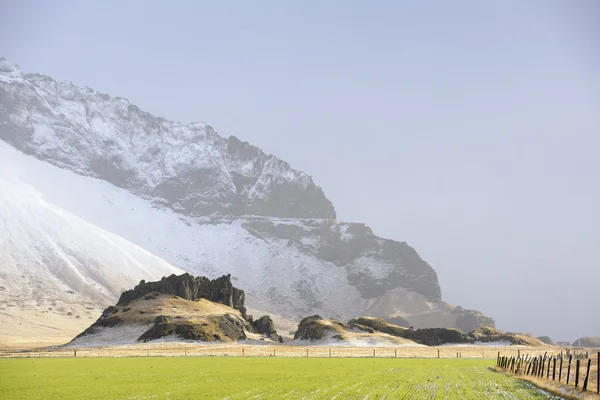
(438, 353)
(242, 352)
(554, 369)
(373, 352)
(560, 368)
(548, 372)
(306, 352)
(569, 368)
(587, 375)
(396, 354)
(577, 373)
(329, 353)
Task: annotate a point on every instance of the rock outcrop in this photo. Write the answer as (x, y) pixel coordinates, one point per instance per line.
(214, 328)
(317, 328)
(265, 326)
(182, 307)
(218, 290)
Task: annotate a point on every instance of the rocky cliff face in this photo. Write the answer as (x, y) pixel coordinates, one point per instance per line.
(189, 168)
(207, 205)
(187, 287)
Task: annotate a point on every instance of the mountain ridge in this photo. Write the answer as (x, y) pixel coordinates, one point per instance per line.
(187, 167)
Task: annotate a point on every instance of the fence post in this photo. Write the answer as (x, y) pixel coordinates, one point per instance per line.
(548, 372)
(554, 369)
(329, 353)
(306, 352)
(587, 375)
(569, 368)
(577, 373)
(395, 354)
(373, 352)
(560, 368)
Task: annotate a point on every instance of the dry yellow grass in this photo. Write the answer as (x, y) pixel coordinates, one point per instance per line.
(246, 349)
(562, 389)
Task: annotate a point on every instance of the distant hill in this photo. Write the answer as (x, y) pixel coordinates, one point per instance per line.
(547, 340)
(588, 341)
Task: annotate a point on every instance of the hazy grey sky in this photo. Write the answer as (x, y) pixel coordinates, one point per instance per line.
(469, 129)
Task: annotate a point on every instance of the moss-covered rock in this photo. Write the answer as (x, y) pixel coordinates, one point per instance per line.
(317, 328)
(214, 328)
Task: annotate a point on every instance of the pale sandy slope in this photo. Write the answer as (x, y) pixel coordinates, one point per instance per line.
(55, 266)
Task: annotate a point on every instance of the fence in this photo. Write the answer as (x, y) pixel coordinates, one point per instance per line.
(573, 368)
(239, 350)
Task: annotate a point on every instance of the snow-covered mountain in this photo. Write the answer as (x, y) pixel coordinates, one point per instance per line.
(96, 194)
(189, 168)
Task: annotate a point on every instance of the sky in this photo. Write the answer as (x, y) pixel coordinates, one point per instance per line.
(469, 129)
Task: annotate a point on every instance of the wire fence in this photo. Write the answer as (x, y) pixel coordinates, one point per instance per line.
(573, 368)
(192, 350)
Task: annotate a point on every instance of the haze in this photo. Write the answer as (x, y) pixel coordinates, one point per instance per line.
(469, 129)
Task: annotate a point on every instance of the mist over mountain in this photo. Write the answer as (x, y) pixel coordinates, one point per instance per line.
(84, 169)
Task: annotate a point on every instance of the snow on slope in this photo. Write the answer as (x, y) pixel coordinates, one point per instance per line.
(62, 209)
(187, 167)
(52, 258)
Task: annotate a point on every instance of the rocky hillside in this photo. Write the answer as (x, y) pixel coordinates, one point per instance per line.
(189, 168)
(317, 329)
(196, 202)
(178, 308)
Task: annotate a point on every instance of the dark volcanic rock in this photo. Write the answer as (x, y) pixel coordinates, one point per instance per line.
(429, 336)
(344, 245)
(218, 290)
(438, 336)
(315, 328)
(218, 327)
(265, 326)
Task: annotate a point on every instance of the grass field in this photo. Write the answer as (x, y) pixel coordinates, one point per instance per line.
(258, 378)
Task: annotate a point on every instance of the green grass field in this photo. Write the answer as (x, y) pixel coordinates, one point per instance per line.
(258, 378)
